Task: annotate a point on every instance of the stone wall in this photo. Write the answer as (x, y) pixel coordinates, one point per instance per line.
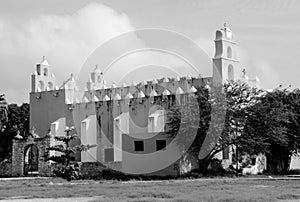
(5, 168)
(18, 154)
(94, 169)
(91, 169)
(44, 166)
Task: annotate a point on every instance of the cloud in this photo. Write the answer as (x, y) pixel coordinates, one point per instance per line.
(268, 76)
(66, 40)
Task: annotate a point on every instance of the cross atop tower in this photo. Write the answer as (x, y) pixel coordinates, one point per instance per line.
(244, 71)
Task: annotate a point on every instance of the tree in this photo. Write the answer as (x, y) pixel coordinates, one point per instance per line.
(3, 111)
(16, 119)
(219, 114)
(273, 128)
(67, 152)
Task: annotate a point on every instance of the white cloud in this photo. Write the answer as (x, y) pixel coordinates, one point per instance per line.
(66, 40)
(268, 76)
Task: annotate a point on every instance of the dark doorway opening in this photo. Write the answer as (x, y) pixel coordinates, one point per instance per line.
(31, 160)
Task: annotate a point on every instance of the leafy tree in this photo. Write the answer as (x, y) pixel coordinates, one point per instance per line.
(273, 128)
(17, 119)
(218, 114)
(66, 155)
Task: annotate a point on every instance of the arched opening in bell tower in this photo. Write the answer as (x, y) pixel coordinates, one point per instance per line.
(41, 86)
(229, 52)
(45, 71)
(230, 73)
(50, 85)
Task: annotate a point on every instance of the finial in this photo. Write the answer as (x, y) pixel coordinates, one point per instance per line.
(72, 77)
(225, 24)
(44, 61)
(97, 69)
(244, 71)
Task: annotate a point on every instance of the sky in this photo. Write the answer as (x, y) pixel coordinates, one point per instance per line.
(68, 32)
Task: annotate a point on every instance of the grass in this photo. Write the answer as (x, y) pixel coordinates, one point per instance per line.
(217, 189)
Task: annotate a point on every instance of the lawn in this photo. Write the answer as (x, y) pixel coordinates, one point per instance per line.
(216, 189)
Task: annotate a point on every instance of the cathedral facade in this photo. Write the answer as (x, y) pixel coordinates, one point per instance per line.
(127, 123)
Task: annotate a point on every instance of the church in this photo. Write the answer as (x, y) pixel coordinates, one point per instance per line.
(127, 123)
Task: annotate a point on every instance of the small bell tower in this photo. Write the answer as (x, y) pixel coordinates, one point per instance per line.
(225, 62)
(96, 80)
(42, 79)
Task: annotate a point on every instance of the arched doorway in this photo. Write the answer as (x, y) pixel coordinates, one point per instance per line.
(31, 160)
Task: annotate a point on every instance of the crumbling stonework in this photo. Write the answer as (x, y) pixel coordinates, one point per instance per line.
(5, 168)
(18, 155)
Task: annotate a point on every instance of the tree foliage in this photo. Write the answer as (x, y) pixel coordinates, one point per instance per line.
(65, 154)
(273, 128)
(253, 120)
(17, 120)
(220, 119)
(3, 111)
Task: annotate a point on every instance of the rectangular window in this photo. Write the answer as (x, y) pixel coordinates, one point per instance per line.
(138, 145)
(161, 145)
(109, 155)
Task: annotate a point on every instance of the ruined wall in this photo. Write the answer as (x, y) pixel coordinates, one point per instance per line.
(5, 168)
(18, 155)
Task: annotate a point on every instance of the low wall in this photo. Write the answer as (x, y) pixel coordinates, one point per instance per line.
(94, 169)
(5, 169)
(114, 165)
(91, 169)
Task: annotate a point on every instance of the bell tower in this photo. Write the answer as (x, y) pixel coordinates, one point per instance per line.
(225, 62)
(42, 79)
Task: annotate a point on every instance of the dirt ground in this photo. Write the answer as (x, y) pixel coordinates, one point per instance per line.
(215, 189)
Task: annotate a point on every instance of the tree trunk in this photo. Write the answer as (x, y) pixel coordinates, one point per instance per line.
(204, 163)
(278, 164)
